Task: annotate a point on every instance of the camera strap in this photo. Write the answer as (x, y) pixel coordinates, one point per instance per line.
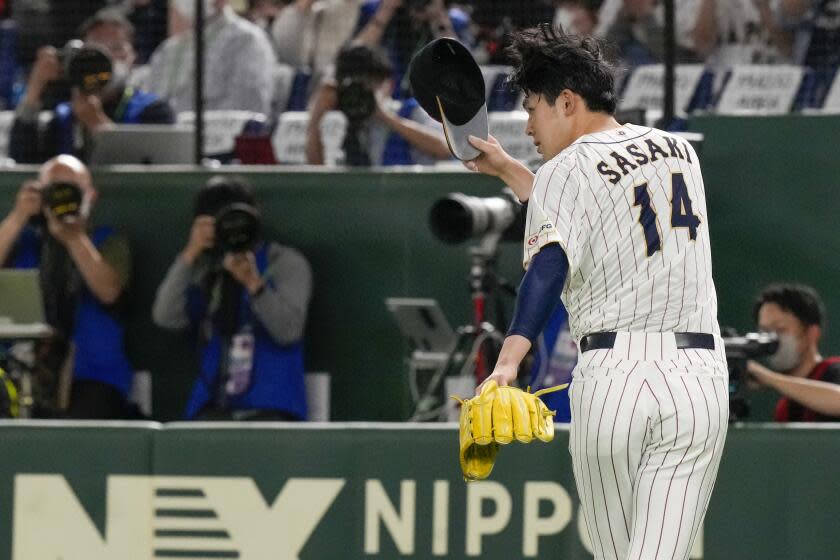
(122, 106)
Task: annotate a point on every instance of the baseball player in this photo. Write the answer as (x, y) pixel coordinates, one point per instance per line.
(617, 224)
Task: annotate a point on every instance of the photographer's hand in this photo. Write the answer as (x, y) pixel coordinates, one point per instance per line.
(243, 268)
(88, 110)
(27, 203)
(820, 396)
(67, 231)
(100, 277)
(46, 68)
(202, 237)
(760, 376)
(371, 34)
(496, 162)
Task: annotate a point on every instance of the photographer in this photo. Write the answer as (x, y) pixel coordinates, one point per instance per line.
(94, 102)
(83, 275)
(380, 130)
(247, 302)
(809, 383)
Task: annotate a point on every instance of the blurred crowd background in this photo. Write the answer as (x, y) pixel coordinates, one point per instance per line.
(323, 81)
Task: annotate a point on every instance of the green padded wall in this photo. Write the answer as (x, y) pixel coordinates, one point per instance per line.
(773, 193)
(366, 237)
(771, 187)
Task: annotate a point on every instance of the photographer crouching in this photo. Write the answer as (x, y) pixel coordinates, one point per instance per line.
(246, 301)
(808, 382)
(380, 130)
(83, 274)
(85, 86)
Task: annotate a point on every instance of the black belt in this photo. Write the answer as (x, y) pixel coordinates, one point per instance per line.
(606, 340)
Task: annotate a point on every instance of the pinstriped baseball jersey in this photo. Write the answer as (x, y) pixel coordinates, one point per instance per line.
(629, 208)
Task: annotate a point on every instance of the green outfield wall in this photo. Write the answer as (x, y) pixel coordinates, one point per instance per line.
(346, 491)
(771, 184)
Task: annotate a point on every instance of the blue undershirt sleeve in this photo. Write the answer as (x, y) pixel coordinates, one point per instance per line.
(539, 292)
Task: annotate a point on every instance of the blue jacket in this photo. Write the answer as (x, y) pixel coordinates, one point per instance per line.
(277, 379)
(97, 334)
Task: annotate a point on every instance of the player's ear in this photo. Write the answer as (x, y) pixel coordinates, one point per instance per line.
(567, 102)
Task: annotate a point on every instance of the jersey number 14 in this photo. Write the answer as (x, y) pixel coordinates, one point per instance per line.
(682, 216)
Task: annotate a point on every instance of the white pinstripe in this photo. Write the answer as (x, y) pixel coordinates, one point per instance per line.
(613, 284)
(646, 439)
(648, 420)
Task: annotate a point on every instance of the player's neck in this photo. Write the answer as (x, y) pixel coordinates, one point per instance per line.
(593, 122)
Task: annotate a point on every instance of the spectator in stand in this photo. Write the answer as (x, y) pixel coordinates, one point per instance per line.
(238, 59)
(116, 102)
(380, 130)
(576, 17)
(309, 33)
(731, 32)
(149, 20)
(817, 31)
(637, 27)
(404, 26)
(493, 20)
(262, 13)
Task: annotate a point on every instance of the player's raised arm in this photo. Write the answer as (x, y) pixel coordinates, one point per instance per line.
(495, 161)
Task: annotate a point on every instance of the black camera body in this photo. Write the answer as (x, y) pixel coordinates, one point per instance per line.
(64, 199)
(85, 66)
(237, 228)
(739, 349)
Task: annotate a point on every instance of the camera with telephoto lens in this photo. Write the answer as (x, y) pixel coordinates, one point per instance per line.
(84, 66)
(237, 228)
(740, 349)
(63, 199)
(458, 217)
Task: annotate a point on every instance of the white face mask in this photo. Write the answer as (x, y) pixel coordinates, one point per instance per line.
(187, 8)
(787, 357)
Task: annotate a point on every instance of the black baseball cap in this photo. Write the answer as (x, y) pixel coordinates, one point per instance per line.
(447, 82)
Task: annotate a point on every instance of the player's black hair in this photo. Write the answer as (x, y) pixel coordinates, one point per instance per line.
(546, 61)
(357, 60)
(220, 191)
(803, 302)
(107, 16)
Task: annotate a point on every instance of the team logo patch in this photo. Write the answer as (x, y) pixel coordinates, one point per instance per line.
(533, 240)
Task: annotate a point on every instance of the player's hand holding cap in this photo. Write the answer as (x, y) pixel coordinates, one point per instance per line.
(447, 82)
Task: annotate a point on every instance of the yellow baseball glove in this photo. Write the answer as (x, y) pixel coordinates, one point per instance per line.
(497, 416)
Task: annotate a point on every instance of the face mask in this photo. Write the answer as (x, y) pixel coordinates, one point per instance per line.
(187, 8)
(787, 357)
